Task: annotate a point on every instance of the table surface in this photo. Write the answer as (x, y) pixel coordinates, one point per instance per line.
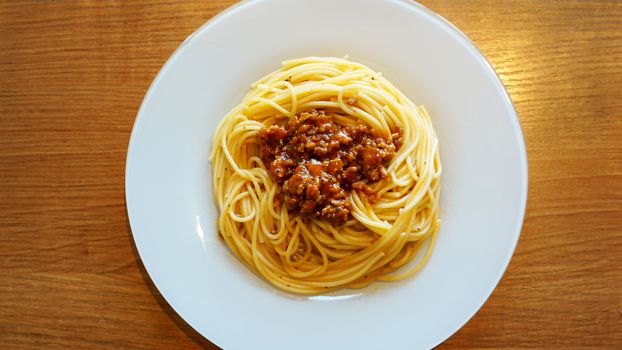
(73, 74)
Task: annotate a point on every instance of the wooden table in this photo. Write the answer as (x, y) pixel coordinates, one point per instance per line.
(73, 74)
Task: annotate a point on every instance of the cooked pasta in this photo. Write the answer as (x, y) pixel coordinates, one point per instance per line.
(385, 207)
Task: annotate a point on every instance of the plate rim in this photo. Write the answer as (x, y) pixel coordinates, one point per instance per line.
(463, 38)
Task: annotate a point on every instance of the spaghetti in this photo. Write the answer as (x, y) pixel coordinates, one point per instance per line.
(306, 254)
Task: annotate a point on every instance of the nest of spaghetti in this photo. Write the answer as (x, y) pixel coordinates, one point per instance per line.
(327, 176)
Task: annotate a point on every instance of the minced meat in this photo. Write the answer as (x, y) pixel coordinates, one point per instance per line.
(318, 162)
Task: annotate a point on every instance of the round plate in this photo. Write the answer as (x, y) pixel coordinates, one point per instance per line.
(170, 199)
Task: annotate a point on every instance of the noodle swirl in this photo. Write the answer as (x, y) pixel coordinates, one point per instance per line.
(306, 255)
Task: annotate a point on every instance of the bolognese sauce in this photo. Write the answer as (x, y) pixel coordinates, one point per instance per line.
(318, 162)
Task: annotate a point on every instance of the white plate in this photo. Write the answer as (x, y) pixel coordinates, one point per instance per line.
(168, 177)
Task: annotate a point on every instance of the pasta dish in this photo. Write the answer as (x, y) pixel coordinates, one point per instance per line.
(327, 176)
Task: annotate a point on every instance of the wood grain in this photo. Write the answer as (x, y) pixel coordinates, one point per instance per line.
(73, 74)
